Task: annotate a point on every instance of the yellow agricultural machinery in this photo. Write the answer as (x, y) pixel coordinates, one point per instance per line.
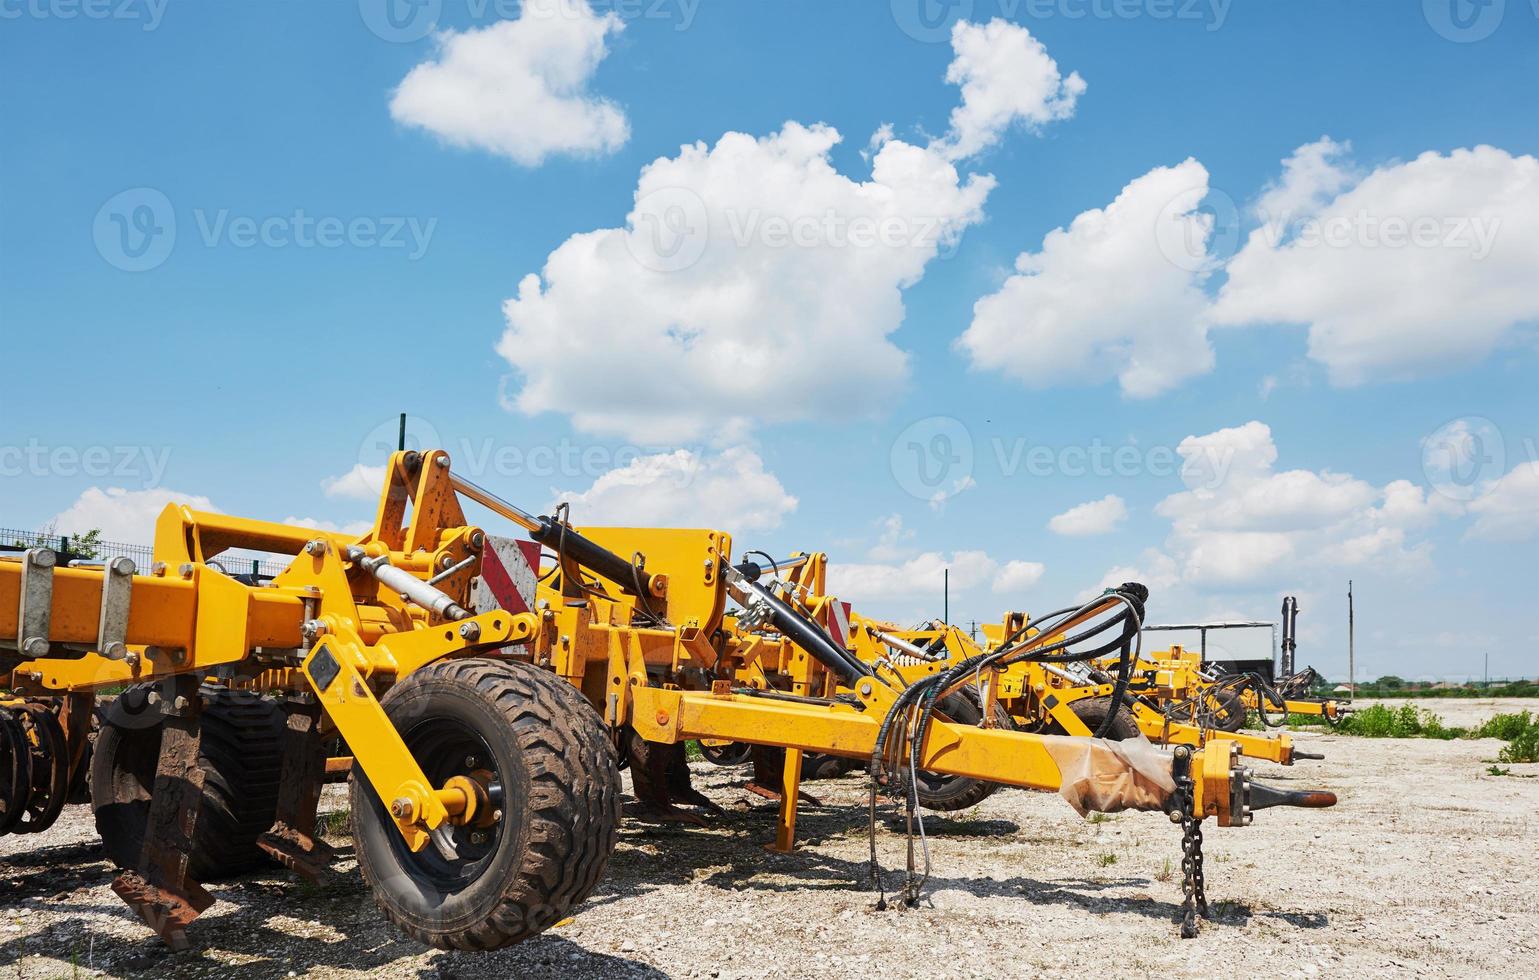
(489, 690)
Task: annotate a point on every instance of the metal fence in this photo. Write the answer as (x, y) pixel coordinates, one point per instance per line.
(231, 563)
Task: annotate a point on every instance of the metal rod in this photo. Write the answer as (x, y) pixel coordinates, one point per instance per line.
(495, 503)
(409, 585)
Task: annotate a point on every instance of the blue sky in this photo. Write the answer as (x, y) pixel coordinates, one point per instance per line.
(257, 373)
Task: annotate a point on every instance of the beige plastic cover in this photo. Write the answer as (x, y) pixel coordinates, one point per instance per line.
(1106, 777)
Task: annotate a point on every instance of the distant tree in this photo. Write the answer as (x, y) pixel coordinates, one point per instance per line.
(87, 544)
(1390, 682)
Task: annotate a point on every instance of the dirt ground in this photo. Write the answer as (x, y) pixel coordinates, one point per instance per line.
(1428, 866)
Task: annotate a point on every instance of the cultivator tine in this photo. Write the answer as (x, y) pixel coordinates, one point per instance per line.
(15, 769)
(160, 891)
(292, 841)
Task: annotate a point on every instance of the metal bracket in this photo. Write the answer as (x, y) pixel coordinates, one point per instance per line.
(112, 628)
(35, 614)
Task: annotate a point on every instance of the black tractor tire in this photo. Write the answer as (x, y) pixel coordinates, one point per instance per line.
(1231, 713)
(728, 756)
(1093, 712)
(241, 756)
(947, 794)
(536, 736)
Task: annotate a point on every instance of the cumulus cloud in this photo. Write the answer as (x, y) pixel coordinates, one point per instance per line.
(362, 482)
(1007, 77)
(923, 577)
(519, 88)
(1259, 525)
(315, 524)
(1509, 511)
(752, 282)
(1408, 271)
(1117, 294)
(730, 491)
(1093, 517)
(126, 516)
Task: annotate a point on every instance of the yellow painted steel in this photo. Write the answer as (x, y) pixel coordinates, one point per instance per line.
(631, 647)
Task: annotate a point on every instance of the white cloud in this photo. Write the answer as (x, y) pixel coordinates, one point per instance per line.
(126, 516)
(1509, 511)
(730, 491)
(889, 545)
(362, 482)
(1116, 294)
(1018, 576)
(1415, 269)
(923, 577)
(1252, 525)
(1006, 77)
(1093, 517)
(519, 88)
(1154, 569)
(752, 283)
(1313, 175)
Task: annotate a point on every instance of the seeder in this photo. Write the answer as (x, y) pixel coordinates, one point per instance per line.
(488, 696)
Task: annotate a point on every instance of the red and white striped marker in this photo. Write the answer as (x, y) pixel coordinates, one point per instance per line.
(509, 573)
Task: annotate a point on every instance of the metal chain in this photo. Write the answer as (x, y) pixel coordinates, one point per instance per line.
(1194, 894)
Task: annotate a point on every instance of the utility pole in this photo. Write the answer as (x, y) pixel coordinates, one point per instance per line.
(1488, 670)
(946, 602)
(1351, 645)
(401, 439)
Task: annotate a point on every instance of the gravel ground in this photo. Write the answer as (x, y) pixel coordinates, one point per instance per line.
(1426, 867)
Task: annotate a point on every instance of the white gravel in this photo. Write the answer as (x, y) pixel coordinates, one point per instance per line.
(1427, 867)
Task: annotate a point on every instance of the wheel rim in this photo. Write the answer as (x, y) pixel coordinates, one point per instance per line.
(446, 748)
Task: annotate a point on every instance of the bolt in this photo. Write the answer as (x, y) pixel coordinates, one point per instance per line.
(116, 650)
(478, 837)
(446, 561)
(121, 566)
(496, 814)
(442, 462)
(158, 568)
(401, 808)
(316, 547)
(477, 539)
(152, 698)
(865, 689)
(186, 570)
(471, 632)
(710, 563)
(45, 559)
(181, 703)
(132, 660)
(35, 646)
(471, 762)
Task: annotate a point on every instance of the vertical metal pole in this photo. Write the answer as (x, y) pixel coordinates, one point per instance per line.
(946, 602)
(1351, 644)
(400, 442)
